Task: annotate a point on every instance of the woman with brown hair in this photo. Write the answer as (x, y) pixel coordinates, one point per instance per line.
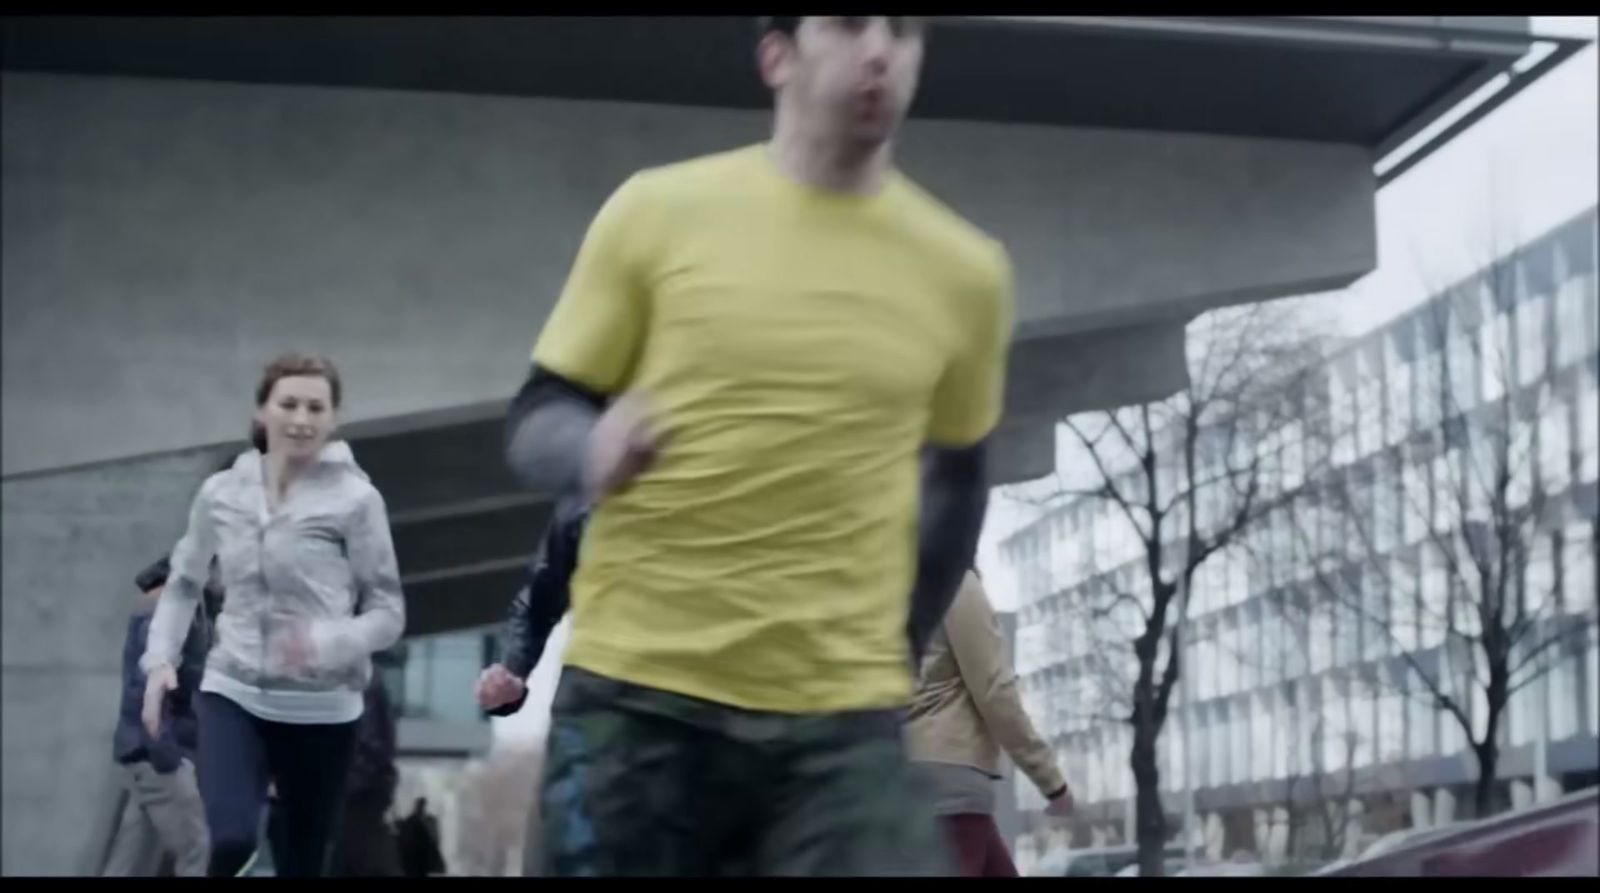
(301, 538)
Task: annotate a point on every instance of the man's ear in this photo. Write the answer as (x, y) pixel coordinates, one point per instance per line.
(774, 57)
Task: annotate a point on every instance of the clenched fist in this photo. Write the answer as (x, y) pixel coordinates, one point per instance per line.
(1060, 805)
(497, 687)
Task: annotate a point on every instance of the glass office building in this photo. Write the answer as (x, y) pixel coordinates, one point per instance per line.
(1274, 703)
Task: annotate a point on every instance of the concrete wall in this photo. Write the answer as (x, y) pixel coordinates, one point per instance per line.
(72, 545)
(164, 238)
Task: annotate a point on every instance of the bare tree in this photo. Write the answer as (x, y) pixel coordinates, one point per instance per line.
(1179, 480)
(1445, 549)
(1320, 794)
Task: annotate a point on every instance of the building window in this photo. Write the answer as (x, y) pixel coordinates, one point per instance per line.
(1341, 402)
(1250, 655)
(1422, 729)
(1385, 506)
(1296, 655)
(1577, 568)
(1494, 356)
(1403, 624)
(1272, 644)
(1335, 729)
(1566, 715)
(1200, 738)
(1452, 739)
(1448, 479)
(1363, 726)
(1435, 590)
(1521, 449)
(1555, 445)
(1279, 723)
(1463, 371)
(1228, 660)
(1176, 768)
(1374, 614)
(1532, 354)
(1205, 660)
(1391, 727)
(1429, 400)
(1539, 579)
(1575, 328)
(1588, 428)
(1523, 711)
(1347, 622)
(1414, 503)
(1397, 421)
(1308, 726)
(1368, 405)
(1321, 641)
(1240, 749)
(437, 669)
(1261, 743)
(1219, 746)
(1594, 686)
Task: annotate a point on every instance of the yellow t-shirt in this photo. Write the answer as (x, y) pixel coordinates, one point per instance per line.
(798, 348)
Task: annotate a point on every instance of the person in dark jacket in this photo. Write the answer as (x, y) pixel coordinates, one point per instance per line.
(538, 606)
(419, 842)
(366, 846)
(535, 610)
(163, 814)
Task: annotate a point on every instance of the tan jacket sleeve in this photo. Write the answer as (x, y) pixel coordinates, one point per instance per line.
(980, 654)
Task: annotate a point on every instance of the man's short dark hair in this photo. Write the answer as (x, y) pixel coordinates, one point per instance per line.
(782, 24)
(789, 25)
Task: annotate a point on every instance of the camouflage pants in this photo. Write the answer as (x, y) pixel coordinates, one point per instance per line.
(642, 782)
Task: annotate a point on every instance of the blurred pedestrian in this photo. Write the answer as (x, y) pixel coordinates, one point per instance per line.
(419, 842)
(312, 590)
(367, 846)
(966, 711)
(162, 814)
(535, 611)
(751, 353)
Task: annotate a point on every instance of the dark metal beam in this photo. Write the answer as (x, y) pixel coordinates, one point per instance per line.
(1272, 77)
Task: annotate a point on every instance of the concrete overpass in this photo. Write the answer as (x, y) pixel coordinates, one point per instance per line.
(185, 197)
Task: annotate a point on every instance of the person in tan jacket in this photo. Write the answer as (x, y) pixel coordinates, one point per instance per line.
(966, 710)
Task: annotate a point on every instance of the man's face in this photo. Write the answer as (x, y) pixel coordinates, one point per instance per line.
(851, 76)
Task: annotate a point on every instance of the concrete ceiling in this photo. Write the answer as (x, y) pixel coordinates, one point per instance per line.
(1352, 80)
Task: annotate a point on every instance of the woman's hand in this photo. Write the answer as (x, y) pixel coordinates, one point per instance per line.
(157, 684)
(296, 651)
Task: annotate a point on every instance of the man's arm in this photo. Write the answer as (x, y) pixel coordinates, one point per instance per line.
(161, 751)
(980, 654)
(955, 495)
(547, 431)
(541, 603)
(965, 409)
(589, 345)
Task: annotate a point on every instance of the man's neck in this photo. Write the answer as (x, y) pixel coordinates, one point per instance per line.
(824, 162)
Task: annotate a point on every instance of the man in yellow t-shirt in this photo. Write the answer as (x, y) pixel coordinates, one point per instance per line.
(752, 351)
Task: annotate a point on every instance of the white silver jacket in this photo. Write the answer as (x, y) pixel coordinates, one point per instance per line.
(324, 558)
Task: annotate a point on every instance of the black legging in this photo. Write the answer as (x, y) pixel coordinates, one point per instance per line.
(239, 754)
